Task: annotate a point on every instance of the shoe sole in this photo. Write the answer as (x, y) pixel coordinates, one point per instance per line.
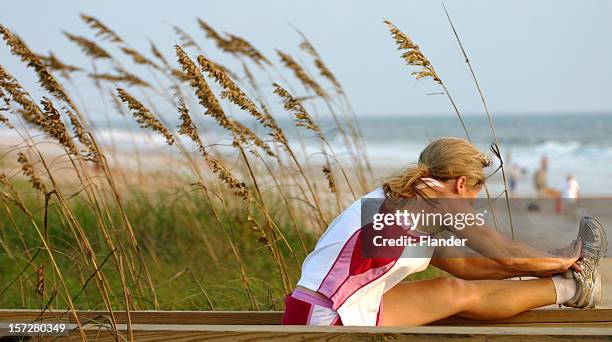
(595, 295)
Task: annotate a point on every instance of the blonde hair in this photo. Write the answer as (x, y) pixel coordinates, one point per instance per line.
(443, 159)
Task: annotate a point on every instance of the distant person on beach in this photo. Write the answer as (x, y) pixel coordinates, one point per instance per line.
(341, 284)
(540, 177)
(571, 190)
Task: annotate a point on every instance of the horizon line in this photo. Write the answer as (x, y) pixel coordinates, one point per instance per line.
(494, 114)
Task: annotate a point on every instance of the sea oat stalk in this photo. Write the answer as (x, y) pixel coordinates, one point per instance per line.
(143, 115)
(414, 57)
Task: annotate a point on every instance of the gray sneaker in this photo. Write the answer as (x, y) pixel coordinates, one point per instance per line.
(594, 240)
(594, 248)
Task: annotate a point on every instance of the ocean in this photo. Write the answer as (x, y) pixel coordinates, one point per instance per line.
(576, 144)
(579, 144)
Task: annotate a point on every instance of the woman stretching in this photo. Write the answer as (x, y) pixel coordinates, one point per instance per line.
(341, 286)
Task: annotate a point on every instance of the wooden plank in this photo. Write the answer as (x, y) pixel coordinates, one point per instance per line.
(295, 333)
(151, 317)
(552, 316)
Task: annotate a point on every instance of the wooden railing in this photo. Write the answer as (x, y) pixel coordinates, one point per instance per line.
(537, 325)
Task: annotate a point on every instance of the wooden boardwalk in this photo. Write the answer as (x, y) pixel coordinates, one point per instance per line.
(535, 325)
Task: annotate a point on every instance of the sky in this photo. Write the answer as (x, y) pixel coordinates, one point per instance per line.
(547, 56)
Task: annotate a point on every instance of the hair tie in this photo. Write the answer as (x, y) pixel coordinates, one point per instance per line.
(429, 182)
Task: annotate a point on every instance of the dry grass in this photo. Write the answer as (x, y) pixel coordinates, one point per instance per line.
(199, 223)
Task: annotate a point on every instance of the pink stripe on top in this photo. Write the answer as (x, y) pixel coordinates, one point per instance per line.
(356, 282)
(311, 298)
(340, 269)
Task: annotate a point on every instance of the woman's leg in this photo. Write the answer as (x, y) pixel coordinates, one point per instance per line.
(422, 302)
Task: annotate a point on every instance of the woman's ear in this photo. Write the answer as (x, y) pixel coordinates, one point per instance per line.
(460, 185)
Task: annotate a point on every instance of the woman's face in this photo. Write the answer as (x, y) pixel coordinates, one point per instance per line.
(472, 193)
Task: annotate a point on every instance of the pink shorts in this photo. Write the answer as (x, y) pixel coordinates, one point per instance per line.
(304, 308)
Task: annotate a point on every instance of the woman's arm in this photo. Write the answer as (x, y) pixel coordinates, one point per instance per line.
(469, 265)
(514, 255)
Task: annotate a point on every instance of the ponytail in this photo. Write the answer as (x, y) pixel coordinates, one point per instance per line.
(405, 185)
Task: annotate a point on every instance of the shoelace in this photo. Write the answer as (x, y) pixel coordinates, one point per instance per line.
(588, 268)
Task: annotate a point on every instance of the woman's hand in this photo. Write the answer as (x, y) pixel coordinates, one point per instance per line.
(547, 274)
(569, 256)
